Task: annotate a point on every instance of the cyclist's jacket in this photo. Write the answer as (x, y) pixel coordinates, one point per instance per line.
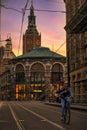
(64, 92)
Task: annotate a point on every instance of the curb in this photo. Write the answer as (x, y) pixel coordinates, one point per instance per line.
(75, 107)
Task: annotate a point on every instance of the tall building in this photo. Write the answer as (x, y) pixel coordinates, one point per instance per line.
(35, 74)
(31, 38)
(6, 54)
(76, 39)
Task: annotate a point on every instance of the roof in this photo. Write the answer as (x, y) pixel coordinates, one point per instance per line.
(40, 52)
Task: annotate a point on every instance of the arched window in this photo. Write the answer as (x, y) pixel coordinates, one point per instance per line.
(37, 73)
(57, 74)
(20, 75)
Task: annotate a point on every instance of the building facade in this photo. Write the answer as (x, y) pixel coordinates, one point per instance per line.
(76, 39)
(31, 38)
(6, 55)
(33, 75)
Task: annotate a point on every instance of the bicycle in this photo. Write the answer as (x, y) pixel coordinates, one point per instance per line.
(67, 113)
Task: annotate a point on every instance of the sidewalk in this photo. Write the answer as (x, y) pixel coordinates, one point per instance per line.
(73, 106)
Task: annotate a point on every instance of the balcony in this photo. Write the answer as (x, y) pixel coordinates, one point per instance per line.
(78, 23)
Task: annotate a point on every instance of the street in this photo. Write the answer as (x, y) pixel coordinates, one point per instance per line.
(35, 115)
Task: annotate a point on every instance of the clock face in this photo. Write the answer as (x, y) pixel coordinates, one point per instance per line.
(31, 22)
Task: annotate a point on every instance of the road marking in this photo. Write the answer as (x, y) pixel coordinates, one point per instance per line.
(18, 122)
(21, 120)
(42, 118)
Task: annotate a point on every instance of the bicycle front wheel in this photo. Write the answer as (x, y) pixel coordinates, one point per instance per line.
(67, 115)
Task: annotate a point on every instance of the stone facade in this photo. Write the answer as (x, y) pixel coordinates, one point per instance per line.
(76, 39)
(5, 82)
(33, 76)
(6, 54)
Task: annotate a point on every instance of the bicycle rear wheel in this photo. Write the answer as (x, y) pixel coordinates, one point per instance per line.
(67, 114)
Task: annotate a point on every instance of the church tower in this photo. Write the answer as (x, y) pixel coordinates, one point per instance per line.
(8, 53)
(31, 38)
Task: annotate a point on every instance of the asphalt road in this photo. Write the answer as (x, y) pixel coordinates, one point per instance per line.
(35, 115)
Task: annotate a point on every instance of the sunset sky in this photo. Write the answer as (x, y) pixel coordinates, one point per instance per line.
(49, 24)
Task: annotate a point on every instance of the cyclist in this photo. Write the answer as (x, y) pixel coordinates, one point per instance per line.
(65, 94)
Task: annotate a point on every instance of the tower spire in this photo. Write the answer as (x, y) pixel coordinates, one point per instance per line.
(32, 38)
(32, 9)
(31, 2)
